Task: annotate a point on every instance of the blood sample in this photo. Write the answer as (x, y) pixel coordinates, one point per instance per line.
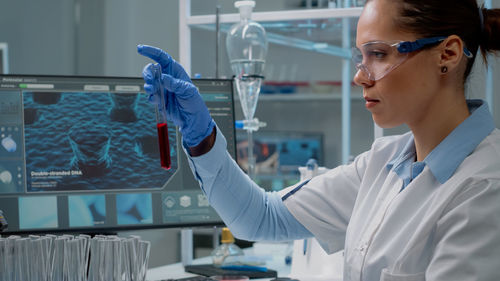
(161, 122)
(164, 145)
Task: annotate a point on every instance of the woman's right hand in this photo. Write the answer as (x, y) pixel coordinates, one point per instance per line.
(184, 104)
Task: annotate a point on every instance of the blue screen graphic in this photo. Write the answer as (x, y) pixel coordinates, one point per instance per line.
(92, 141)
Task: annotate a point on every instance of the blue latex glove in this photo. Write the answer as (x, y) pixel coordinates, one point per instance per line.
(184, 104)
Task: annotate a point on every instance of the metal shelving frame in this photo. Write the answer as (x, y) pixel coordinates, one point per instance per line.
(187, 21)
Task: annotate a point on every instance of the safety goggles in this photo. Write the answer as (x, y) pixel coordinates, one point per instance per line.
(377, 58)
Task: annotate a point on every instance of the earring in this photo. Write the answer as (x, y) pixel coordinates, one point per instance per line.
(444, 69)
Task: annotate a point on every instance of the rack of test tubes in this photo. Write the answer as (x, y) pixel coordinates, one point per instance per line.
(73, 258)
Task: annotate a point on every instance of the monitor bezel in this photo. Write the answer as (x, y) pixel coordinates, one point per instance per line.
(116, 228)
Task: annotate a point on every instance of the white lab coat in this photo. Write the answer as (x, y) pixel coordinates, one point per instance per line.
(428, 231)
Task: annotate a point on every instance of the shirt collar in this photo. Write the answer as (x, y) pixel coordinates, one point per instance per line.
(407, 152)
(445, 158)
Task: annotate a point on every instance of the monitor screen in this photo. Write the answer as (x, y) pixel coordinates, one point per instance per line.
(81, 154)
(279, 154)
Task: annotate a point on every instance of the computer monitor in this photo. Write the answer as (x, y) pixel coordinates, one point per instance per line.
(279, 154)
(81, 154)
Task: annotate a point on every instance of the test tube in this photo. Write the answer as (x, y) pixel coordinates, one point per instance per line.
(161, 122)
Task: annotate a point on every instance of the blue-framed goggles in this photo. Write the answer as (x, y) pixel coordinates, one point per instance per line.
(377, 58)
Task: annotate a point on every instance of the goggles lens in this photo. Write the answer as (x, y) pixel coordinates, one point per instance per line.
(377, 59)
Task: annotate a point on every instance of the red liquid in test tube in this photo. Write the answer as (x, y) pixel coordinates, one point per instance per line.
(164, 145)
(161, 123)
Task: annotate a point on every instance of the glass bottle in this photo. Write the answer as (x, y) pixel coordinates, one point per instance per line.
(227, 252)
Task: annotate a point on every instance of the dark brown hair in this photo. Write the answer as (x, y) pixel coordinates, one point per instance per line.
(430, 18)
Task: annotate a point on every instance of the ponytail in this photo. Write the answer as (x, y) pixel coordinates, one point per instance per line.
(490, 33)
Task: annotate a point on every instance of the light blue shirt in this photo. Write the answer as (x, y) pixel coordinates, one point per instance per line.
(451, 152)
(248, 210)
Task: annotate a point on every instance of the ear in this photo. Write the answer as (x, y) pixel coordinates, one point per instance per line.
(452, 52)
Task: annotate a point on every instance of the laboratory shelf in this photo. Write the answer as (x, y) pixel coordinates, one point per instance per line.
(305, 97)
(291, 28)
(280, 15)
(316, 30)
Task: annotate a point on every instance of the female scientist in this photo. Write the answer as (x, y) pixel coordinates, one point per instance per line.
(420, 206)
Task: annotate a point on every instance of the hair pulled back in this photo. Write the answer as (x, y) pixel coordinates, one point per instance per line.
(478, 27)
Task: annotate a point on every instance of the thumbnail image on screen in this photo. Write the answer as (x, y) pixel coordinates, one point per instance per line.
(134, 208)
(33, 216)
(86, 210)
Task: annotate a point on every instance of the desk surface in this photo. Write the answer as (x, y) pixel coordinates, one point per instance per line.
(274, 256)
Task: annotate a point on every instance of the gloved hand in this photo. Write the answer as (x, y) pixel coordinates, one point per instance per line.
(184, 104)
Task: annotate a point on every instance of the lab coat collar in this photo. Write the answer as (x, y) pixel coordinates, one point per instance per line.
(445, 158)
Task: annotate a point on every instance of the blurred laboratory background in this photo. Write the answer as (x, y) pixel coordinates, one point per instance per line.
(301, 97)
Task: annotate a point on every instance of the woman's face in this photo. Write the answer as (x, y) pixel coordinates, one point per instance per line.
(402, 95)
